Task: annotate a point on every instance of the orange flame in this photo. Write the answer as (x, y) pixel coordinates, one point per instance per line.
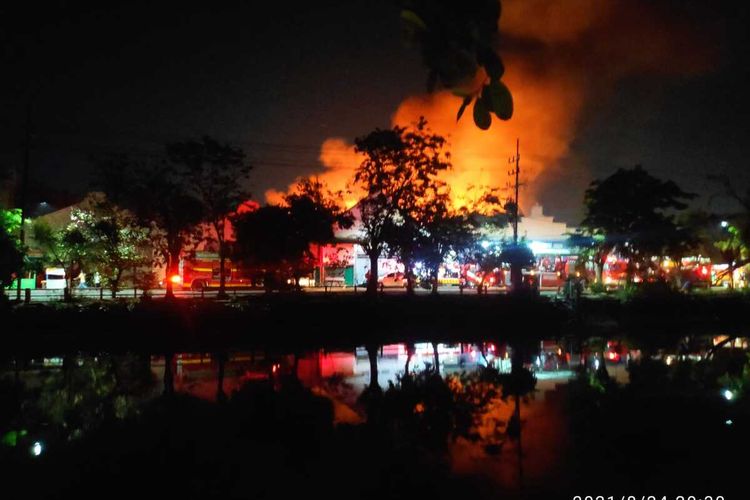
(544, 123)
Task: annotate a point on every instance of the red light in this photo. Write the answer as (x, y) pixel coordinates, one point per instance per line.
(704, 271)
(175, 279)
(612, 355)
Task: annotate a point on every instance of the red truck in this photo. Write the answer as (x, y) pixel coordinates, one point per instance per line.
(203, 272)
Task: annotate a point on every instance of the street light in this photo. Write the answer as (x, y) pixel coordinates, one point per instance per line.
(724, 223)
(36, 448)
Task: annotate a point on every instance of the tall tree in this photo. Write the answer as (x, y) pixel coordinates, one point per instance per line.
(68, 248)
(163, 203)
(444, 230)
(632, 212)
(215, 173)
(117, 243)
(160, 200)
(11, 257)
(401, 166)
(265, 240)
(734, 240)
(404, 236)
(315, 211)
(486, 219)
(278, 238)
(734, 246)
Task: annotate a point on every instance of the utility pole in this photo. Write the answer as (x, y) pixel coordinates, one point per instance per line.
(518, 209)
(516, 171)
(24, 189)
(516, 272)
(322, 268)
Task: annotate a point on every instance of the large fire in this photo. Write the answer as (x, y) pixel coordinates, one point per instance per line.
(560, 56)
(543, 123)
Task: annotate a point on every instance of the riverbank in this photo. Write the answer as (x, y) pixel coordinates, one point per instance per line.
(290, 322)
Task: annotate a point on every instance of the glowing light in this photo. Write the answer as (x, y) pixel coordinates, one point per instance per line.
(305, 281)
(728, 422)
(596, 364)
(175, 279)
(539, 246)
(704, 271)
(728, 395)
(37, 448)
(724, 223)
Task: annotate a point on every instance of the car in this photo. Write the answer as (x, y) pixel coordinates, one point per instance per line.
(393, 280)
(449, 279)
(616, 352)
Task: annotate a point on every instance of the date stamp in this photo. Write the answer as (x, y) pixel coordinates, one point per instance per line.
(648, 497)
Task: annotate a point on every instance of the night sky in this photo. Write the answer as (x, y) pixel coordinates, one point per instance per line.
(278, 79)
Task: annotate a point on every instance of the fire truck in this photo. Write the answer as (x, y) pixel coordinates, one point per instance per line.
(696, 271)
(202, 272)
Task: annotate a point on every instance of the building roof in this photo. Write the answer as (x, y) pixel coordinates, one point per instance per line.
(539, 227)
(534, 227)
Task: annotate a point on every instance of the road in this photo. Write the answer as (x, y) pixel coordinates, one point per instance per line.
(44, 295)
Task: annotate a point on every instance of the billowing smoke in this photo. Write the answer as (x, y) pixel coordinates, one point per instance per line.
(340, 161)
(562, 58)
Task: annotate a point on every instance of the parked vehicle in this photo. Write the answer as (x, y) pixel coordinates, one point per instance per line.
(202, 272)
(393, 280)
(54, 278)
(449, 278)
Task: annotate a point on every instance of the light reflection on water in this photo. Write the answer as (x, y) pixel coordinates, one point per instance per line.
(340, 376)
(195, 373)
